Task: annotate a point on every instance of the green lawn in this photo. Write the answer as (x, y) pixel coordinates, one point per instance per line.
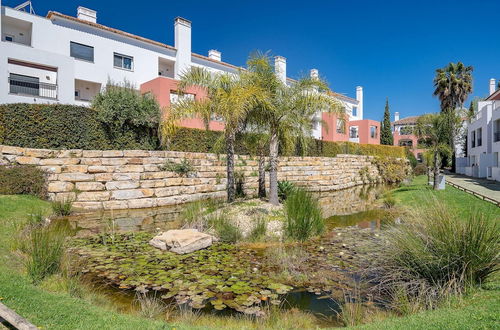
(479, 310)
(418, 194)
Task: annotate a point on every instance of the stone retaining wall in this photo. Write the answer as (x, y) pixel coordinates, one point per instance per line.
(115, 179)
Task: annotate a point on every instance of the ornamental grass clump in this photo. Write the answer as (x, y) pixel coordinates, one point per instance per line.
(62, 207)
(303, 217)
(437, 253)
(44, 248)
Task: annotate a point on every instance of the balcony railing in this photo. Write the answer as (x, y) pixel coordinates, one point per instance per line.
(32, 87)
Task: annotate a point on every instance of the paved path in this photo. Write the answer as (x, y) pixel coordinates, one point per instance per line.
(487, 188)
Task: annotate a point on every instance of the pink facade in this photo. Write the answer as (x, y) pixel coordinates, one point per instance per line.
(333, 129)
(368, 130)
(163, 88)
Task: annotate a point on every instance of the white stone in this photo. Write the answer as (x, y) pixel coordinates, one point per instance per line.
(182, 241)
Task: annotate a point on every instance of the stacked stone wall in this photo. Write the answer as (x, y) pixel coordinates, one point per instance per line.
(120, 179)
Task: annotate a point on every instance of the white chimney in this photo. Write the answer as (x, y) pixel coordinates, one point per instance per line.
(214, 55)
(182, 42)
(86, 14)
(396, 116)
(314, 74)
(359, 98)
(493, 86)
(280, 67)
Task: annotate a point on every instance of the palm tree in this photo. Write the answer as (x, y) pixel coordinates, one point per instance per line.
(432, 129)
(229, 97)
(288, 110)
(453, 84)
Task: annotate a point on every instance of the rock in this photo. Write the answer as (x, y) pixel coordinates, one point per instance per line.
(182, 241)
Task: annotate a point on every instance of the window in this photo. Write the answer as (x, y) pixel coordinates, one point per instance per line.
(9, 38)
(20, 84)
(473, 139)
(82, 52)
(341, 126)
(354, 133)
(495, 159)
(123, 61)
(373, 132)
(77, 94)
(496, 131)
(406, 143)
(355, 111)
(479, 136)
(176, 97)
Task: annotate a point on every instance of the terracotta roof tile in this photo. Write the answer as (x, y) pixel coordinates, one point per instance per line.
(406, 121)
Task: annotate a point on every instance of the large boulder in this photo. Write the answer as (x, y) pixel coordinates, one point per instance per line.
(182, 241)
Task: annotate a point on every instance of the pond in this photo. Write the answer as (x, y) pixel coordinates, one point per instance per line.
(224, 278)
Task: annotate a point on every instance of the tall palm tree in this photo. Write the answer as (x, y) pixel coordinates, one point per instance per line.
(432, 128)
(287, 110)
(229, 97)
(453, 84)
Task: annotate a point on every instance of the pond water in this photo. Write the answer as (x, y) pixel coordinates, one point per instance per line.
(343, 210)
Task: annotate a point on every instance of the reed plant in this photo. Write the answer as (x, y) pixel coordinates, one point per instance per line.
(224, 228)
(259, 230)
(62, 207)
(303, 217)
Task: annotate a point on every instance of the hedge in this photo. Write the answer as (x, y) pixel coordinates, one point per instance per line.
(73, 127)
(60, 126)
(23, 180)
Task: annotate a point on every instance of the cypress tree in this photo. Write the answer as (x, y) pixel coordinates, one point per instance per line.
(386, 131)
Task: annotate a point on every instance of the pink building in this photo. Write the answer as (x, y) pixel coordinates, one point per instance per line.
(402, 132)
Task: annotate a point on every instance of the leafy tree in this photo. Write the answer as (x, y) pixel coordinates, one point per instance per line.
(386, 131)
(453, 84)
(287, 110)
(229, 97)
(128, 114)
(434, 129)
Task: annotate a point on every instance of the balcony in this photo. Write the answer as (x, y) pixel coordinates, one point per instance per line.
(31, 86)
(496, 136)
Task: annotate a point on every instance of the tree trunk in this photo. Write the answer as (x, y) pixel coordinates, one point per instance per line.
(436, 170)
(273, 171)
(429, 172)
(262, 175)
(230, 168)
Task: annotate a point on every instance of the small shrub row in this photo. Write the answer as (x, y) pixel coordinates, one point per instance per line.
(23, 180)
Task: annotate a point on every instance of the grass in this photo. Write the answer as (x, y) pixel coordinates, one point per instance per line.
(418, 194)
(303, 217)
(62, 207)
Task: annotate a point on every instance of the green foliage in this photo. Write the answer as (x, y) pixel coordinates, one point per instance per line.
(23, 180)
(239, 179)
(389, 201)
(258, 230)
(44, 251)
(392, 170)
(182, 169)
(285, 189)
(411, 157)
(225, 229)
(438, 253)
(386, 137)
(127, 114)
(62, 207)
(420, 169)
(453, 84)
(303, 217)
(58, 126)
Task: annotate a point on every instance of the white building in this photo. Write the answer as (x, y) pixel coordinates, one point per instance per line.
(65, 59)
(483, 139)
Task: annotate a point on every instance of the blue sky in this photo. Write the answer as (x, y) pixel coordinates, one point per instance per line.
(391, 48)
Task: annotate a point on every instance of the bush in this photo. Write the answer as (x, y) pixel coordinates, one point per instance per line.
(438, 253)
(226, 231)
(303, 217)
(420, 169)
(23, 180)
(392, 170)
(58, 126)
(44, 249)
(411, 157)
(285, 189)
(258, 231)
(182, 169)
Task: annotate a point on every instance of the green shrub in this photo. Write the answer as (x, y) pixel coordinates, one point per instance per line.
(44, 249)
(438, 253)
(182, 169)
(239, 179)
(62, 207)
(303, 217)
(392, 170)
(389, 201)
(23, 180)
(59, 126)
(411, 157)
(420, 169)
(285, 189)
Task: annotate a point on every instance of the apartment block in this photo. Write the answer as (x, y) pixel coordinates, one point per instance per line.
(64, 59)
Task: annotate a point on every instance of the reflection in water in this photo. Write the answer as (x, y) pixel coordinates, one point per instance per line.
(372, 219)
(339, 202)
